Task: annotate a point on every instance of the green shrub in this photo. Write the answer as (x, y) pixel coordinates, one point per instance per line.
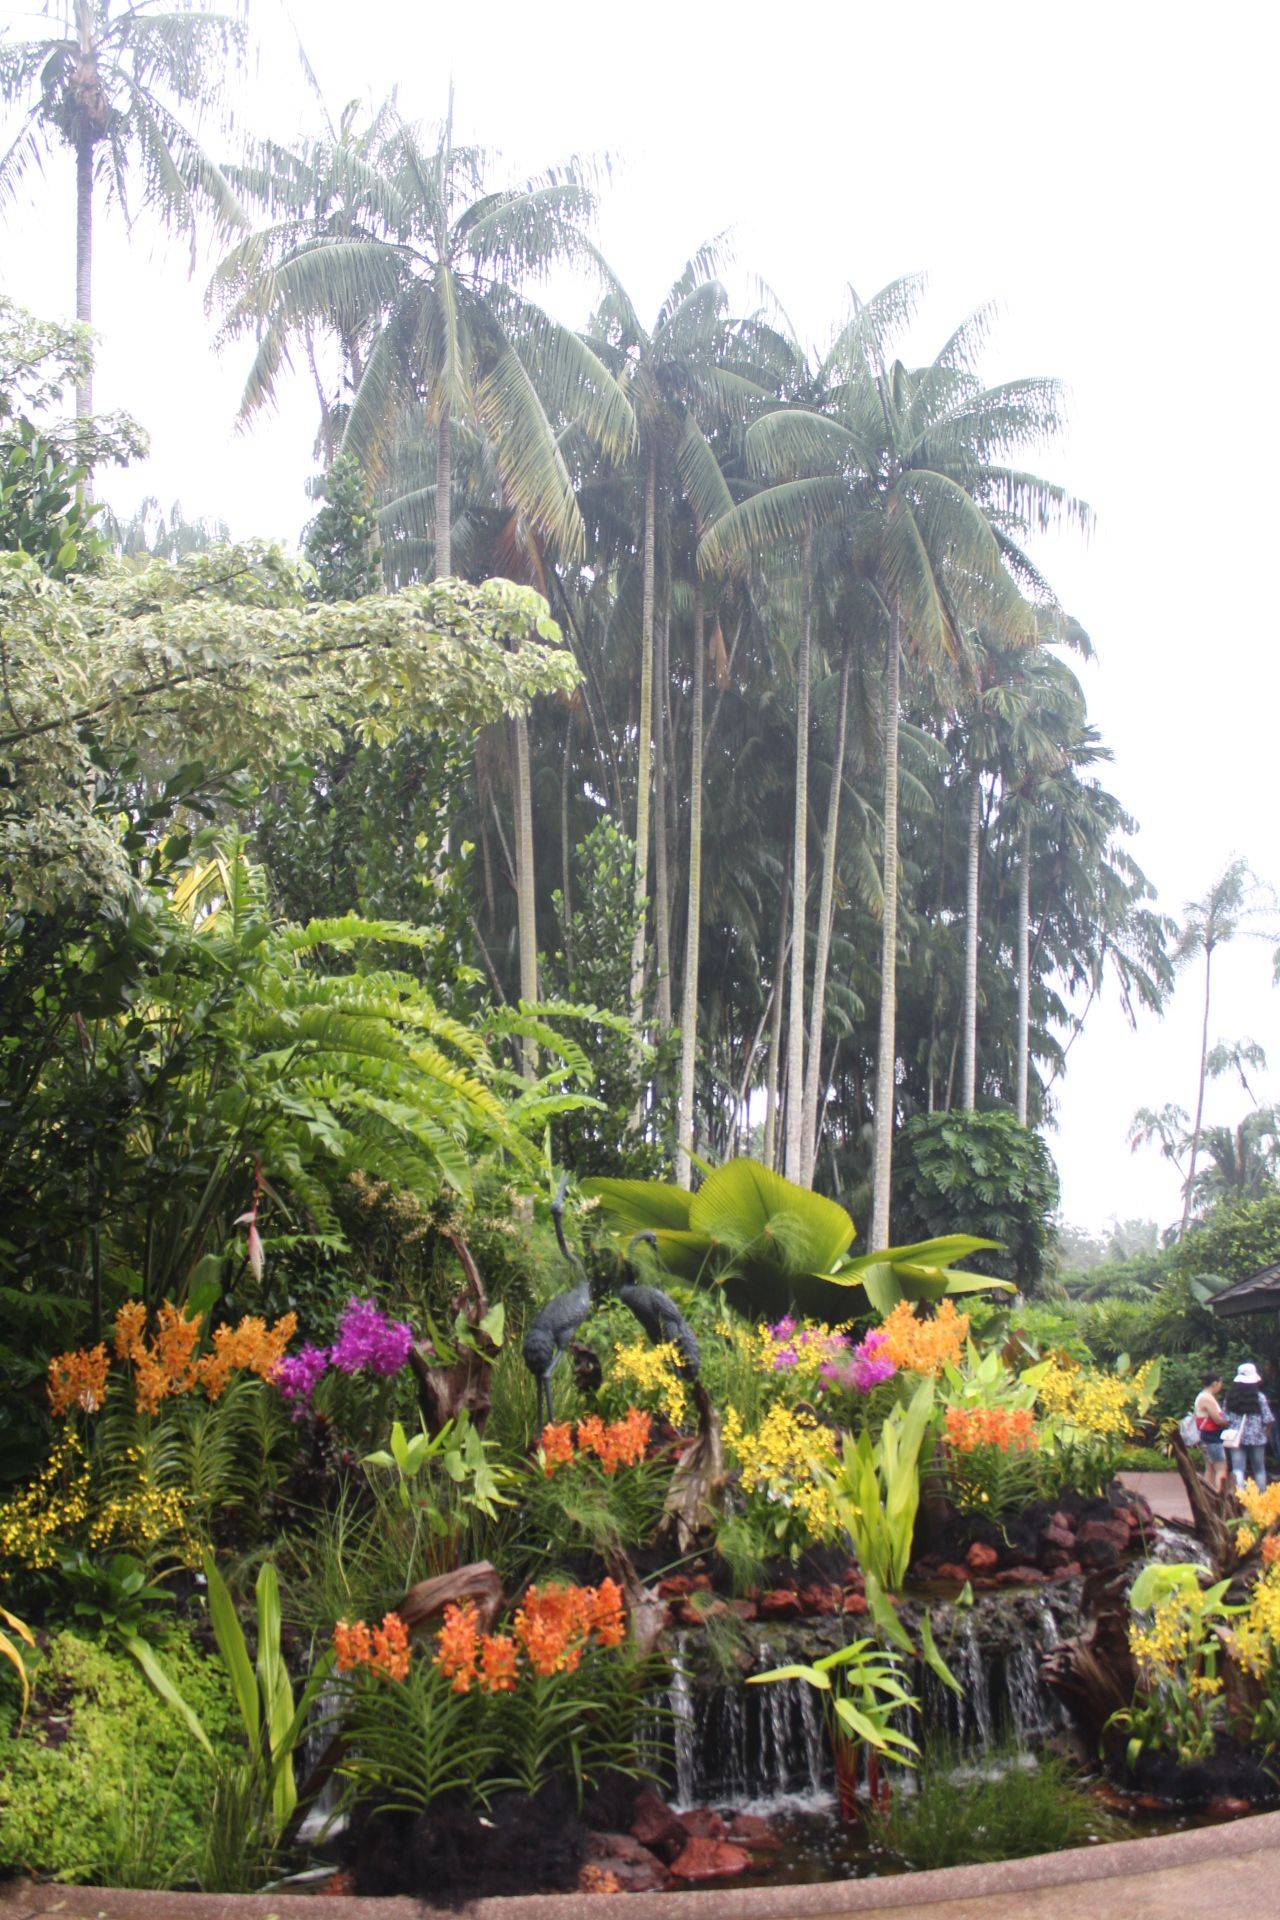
(105, 1783)
(959, 1818)
(979, 1173)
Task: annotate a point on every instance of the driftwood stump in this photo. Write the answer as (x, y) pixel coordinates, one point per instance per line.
(1217, 1518)
(693, 1498)
(463, 1383)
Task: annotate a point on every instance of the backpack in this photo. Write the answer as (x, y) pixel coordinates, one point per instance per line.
(1188, 1432)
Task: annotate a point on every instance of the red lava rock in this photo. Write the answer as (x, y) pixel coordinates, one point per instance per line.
(855, 1603)
(711, 1860)
(1021, 1577)
(983, 1583)
(702, 1583)
(816, 1599)
(780, 1604)
(854, 1578)
(950, 1571)
(676, 1588)
(685, 1614)
(1225, 1808)
(656, 1826)
(621, 1858)
(1072, 1571)
(980, 1558)
(752, 1830)
(1111, 1533)
(745, 1609)
(338, 1885)
(703, 1823)
(1056, 1536)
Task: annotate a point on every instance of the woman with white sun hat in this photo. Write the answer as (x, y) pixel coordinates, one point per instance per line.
(1249, 1415)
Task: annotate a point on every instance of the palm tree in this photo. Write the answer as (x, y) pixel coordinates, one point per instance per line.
(1234, 906)
(442, 262)
(112, 84)
(913, 464)
(681, 368)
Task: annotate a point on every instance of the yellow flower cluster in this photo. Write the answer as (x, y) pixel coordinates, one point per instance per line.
(36, 1523)
(782, 1460)
(653, 1374)
(924, 1346)
(1102, 1404)
(1170, 1644)
(1257, 1629)
(59, 1507)
(1263, 1509)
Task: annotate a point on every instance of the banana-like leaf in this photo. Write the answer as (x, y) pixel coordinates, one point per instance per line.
(639, 1204)
(743, 1204)
(229, 1635)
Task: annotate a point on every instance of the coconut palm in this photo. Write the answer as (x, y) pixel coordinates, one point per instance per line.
(680, 375)
(914, 465)
(443, 262)
(114, 82)
(1235, 906)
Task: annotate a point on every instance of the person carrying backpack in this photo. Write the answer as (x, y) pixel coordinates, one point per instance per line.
(1249, 1415)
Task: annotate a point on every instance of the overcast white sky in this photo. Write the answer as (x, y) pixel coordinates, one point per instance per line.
(1105, 172)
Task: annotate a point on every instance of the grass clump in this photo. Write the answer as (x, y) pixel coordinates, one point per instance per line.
(958, 1817)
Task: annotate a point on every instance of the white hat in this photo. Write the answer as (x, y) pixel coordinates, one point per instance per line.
(1248, 1375)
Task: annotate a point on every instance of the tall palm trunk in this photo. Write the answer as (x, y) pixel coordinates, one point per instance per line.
(770, 1152)
(661, 845)
(693, 917)
(644, 745)
(526, 906)
(1024, 968)
(444, 494)
(822, 950)
(1204, 1061)
(969, 1071)
(84, 265)
(793, 1137)
(886, 1063)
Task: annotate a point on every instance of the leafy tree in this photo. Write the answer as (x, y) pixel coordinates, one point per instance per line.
(44, 461)
(983, 1174)
(341, 542)
(114, 83)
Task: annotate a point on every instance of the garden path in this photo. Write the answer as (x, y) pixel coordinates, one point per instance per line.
(1223, 1869)
(1164, 1493)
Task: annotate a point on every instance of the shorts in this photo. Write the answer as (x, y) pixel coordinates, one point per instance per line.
(1214, 1451)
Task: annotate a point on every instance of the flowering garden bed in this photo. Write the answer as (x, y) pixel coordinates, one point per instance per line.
(344, 1606)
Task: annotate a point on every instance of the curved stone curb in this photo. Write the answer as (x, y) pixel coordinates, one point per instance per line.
(1235, 1867)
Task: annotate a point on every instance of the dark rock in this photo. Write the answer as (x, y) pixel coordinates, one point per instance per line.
(745, 1609)
(1114, 1532)
(752, 1830)
(950, 1571)
(655, 1826)
(703, 1823)
(633, 1868)
(1071, 1571)
(1228, 1808)
(711, 1860)
(1021, 1577)
(1056, 1536)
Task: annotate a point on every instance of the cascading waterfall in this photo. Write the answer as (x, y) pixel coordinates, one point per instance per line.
(765, 1747)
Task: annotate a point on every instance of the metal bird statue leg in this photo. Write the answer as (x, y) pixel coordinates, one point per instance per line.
(552, 1328)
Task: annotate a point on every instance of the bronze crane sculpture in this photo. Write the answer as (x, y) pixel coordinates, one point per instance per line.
(553, 1327)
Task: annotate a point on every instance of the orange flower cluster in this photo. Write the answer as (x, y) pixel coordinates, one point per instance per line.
(620, 1443)
(1271, 1550)
(167, 1364)
(79, 1379)
(971, 1427)
(252, 1347)
(924, 1346)
(550, 1632)
(383, 1649)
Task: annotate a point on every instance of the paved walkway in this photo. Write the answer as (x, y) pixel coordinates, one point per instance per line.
(1226, 1869)
(1164, 1493)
